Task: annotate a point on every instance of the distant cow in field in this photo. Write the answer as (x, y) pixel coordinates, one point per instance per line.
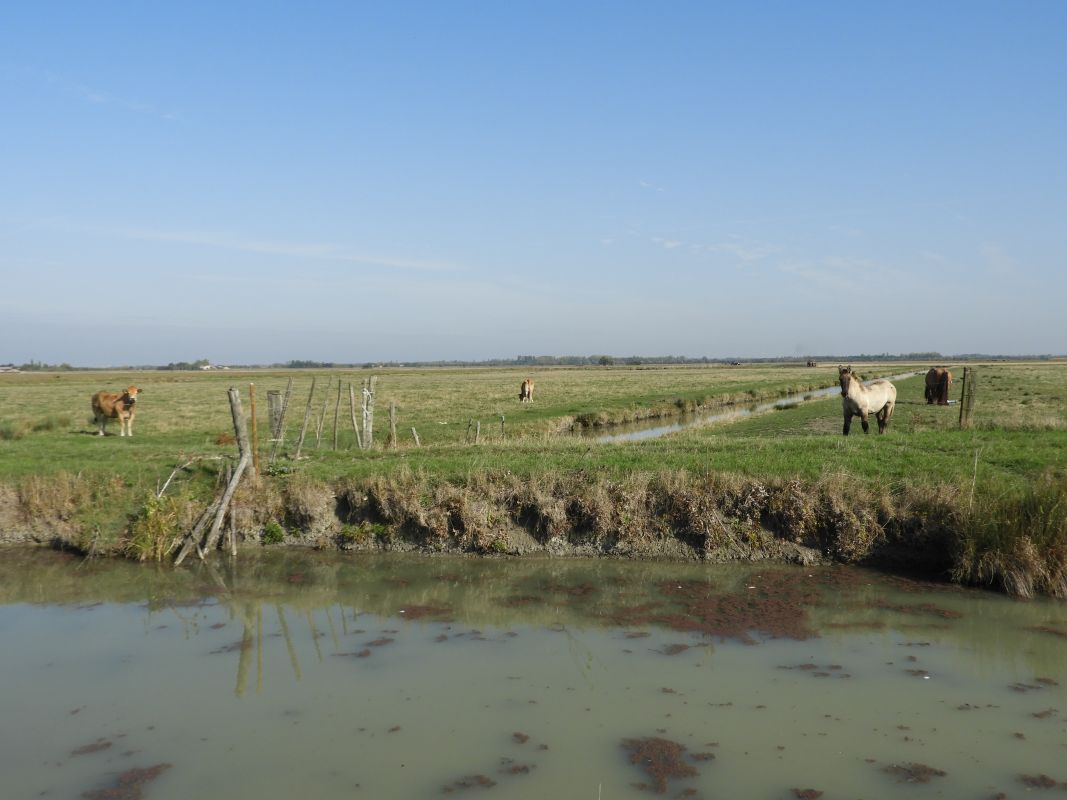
(812, 364)
(526, 391)
(108, 405)
(938, 383)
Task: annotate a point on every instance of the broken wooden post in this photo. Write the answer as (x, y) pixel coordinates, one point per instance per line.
(336, 410)
(415, 434)
(242, 464)
(307, 418)
(255, 429)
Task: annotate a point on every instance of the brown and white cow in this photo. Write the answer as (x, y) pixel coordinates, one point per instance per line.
(526, 391)
(108, 405)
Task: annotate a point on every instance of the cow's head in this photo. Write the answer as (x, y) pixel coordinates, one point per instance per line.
(129, 397)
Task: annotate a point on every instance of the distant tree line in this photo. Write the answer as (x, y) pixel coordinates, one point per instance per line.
(184, 365)
(40, 366)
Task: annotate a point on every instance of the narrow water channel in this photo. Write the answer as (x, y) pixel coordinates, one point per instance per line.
(333, 676)
(654, 428)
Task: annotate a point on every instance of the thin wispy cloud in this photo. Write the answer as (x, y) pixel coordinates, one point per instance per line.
(305, 250)
(98, 97)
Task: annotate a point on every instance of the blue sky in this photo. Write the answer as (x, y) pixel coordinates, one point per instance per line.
(354, 181)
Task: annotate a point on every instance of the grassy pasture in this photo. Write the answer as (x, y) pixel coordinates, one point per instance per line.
(1020, 425)
(1000, 486)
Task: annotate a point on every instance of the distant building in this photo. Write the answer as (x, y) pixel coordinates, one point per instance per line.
(9, 368)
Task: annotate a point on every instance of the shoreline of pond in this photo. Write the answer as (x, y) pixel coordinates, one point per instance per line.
(938, 531)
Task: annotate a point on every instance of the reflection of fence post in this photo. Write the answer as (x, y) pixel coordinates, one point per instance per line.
(970, 386)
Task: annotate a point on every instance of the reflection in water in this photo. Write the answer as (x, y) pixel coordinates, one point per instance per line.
(654, 428)
(410, 676)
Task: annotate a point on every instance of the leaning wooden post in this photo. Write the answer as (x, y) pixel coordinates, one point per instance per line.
(322, 416)
(242, 464)
(415, 434)
(307, 418)
(392, 424)
(255, 429)
(336, 411)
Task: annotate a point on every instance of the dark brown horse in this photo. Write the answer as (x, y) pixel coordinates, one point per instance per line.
(938, 383)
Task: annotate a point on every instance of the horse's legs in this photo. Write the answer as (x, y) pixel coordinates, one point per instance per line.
(866, 424)
(886, 412)
(848, 421)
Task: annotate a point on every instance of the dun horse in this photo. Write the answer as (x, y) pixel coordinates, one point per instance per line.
(859, 400)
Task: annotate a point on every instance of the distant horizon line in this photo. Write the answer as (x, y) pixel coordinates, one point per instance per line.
(595, 360)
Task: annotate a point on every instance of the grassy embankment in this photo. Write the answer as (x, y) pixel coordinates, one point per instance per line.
(986, 503)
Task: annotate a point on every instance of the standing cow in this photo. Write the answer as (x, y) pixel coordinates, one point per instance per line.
(108, 405)
(526, 391)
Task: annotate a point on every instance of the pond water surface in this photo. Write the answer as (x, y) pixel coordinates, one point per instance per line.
(304, 675)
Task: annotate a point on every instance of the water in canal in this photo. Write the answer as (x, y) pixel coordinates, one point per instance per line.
(655, 428)
(332, 676)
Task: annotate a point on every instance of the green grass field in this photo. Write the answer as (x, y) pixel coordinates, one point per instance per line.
(1019, 431)
(54, 467)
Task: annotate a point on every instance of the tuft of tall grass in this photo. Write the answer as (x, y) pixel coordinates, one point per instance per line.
(10, 432)
(158, 528)
(1017, 539)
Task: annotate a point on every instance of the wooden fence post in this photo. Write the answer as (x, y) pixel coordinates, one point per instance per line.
(501, 426)
(478, 433)
(352, 409)
(307, 418)
(279, 435)
(415, 434)
(322, 417)
(242, 464)
(392, 424)
(336, 411)
(255, 429)
(970, 387)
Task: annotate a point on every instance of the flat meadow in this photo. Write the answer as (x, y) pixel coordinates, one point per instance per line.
(53, 464)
